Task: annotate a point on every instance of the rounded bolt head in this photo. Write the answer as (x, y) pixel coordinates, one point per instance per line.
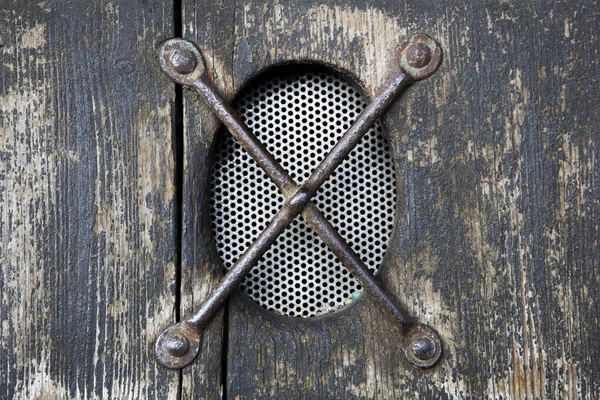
(423, 347)
(176, 345)
(418, 55)
(184, 61)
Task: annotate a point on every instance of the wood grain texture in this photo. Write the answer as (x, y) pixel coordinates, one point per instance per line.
(497, 243)
(201, 268)
(87, 249)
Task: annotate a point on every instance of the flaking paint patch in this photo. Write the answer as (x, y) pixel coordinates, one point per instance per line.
(68, 154)
(429, 151)
(163, 312)
(112, 11)
(563, 98)
(155, 165)
(351, 359)
(484, 252)
(568, 26)
(570, 380)
(154, 177)
(34, 37)
(442, 91)
(524, 377)
(125, 218)
(29, 173)
(521, 382)
(428, 306)
(44, 6)
(415, 290)
(41, 386)
(200, 290)
(569, 174)
(519, 96)
(374, 34)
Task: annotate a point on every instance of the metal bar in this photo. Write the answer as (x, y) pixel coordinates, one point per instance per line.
(298, 200)
(286, 184)
(350, 139)
(419, 56)
(242, 135)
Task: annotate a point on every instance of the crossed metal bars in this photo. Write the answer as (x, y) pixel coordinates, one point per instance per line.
(182, 61)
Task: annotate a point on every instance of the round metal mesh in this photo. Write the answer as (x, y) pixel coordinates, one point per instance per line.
(299, 113)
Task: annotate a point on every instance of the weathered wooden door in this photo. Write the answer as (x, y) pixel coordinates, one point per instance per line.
(105, 197)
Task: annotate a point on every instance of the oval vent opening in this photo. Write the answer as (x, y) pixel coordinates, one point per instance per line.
(299, 112)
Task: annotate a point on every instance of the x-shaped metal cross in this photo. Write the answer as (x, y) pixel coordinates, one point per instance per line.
(178, 345)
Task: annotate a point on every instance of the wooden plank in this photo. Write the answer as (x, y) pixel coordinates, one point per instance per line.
(497, 242)
(87, 250)
(201, 270)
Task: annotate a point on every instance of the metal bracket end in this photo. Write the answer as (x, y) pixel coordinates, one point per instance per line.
(182, 61)
(422, 346)
(420, 56)
(178, 346)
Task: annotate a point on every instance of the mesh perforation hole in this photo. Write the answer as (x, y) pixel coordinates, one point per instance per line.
(299, 113)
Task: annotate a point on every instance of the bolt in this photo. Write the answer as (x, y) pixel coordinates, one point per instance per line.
(418, 55)
(184, 61)
(176, 345)
(423, 348)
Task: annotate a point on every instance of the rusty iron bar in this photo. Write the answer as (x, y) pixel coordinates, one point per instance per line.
(181, 60)
(293, 192)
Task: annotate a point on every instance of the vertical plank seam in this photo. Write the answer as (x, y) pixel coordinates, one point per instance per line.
(178, 155)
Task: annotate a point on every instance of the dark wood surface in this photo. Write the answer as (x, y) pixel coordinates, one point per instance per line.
(497, 242)
(105, 238)
(87, 250)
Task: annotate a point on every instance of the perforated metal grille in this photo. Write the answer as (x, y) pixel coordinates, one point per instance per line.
(299, 113)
